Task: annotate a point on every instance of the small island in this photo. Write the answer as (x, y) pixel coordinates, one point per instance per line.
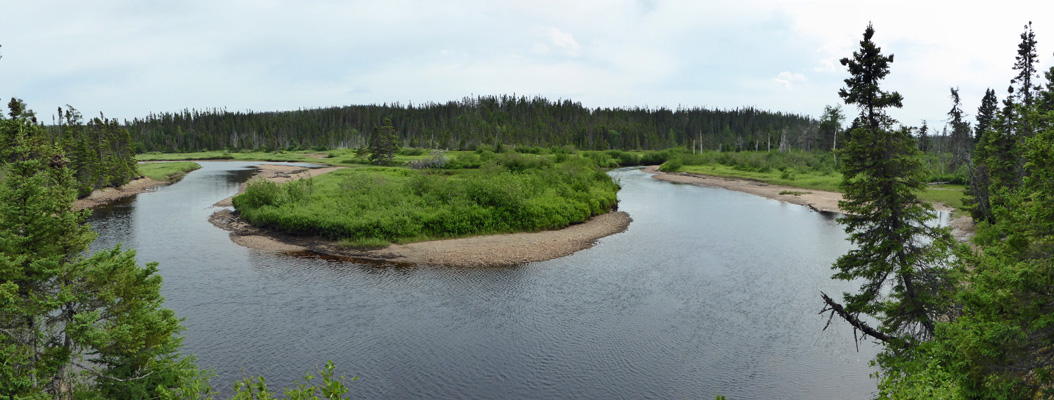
(496, 209)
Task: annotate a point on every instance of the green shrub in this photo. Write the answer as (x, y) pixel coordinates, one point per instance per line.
(624, 159)
(654, 157)
(516, 162)
(465, 160)
(673, 165)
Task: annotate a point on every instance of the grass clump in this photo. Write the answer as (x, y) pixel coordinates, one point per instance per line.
(514, 192)
(167, 171)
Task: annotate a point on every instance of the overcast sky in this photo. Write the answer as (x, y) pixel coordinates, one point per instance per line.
(130, 58)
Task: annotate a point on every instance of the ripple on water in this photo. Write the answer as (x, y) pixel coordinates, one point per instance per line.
(708, 292)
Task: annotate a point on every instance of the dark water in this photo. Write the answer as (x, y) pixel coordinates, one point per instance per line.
(709, 292)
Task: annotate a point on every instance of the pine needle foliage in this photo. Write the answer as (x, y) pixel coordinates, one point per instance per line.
(898, 259)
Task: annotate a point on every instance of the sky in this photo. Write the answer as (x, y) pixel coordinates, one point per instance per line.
(128, 59)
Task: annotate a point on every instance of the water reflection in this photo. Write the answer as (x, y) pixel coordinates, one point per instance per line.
(709, 292)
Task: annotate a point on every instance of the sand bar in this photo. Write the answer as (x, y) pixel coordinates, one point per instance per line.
(819, 200)
(106, 195)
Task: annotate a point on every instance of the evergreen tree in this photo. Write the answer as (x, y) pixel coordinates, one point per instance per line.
(72, 324)
(1003, 159)
(1045, 97)
(1025, 65)
(961, 145)
(867, 67)
(985, 114)
(383, 143)
(977, 197)
(924, 137)
(898, 259)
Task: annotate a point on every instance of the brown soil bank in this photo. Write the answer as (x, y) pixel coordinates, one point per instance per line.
(490, 250)
(106, 195)
(819, 200)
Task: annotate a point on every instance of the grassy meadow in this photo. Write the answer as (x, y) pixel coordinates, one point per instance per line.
(370, 207)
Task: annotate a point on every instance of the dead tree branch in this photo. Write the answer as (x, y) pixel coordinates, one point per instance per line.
(858, 325)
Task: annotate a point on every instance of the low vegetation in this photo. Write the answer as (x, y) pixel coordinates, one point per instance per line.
(370, 206)
(167, 171)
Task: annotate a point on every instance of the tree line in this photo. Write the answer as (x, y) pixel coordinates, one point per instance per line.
(956, 320)
(474, 121)
(100, 152)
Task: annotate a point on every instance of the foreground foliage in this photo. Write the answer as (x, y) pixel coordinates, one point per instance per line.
(79, 325)
(899, 260)
(512, 193)
(987, 330)
(73, 324)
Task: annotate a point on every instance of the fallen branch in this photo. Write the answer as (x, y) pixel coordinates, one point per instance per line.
(857, 324)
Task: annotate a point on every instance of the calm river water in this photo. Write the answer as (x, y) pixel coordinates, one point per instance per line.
(710, 292)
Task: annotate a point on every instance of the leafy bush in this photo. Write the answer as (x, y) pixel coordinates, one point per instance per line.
(654, 157)
(624, 159)
(673, 165)
(465, 160)
(516, 162)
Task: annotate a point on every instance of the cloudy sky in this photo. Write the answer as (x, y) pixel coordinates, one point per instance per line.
(130, 58)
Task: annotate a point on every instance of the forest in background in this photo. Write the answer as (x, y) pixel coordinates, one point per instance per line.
(484, 120)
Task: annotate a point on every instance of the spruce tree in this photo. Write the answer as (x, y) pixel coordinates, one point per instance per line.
(985, 114)
(898, 258)
(72, 324)
(1025, 65)
(961, 145)
(383, 143)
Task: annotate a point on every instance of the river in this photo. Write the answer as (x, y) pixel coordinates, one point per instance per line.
(709, 292)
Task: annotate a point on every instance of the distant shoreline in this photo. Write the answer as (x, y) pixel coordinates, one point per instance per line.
(818, 200)
(475, 251)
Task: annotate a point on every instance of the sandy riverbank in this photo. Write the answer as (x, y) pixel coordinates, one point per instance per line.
(819, 200)
(106, 195)
(490, 250)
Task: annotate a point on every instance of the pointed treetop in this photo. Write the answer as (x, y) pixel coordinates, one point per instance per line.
(867, 67)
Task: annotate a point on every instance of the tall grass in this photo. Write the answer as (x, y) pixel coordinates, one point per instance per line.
(514, 192)
(167, 171)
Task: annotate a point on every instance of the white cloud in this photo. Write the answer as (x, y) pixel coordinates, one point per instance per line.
(787, 79)
(130, 58)
(564, 41)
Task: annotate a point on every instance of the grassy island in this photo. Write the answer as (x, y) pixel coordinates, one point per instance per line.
(368, 207)
(167, 171)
